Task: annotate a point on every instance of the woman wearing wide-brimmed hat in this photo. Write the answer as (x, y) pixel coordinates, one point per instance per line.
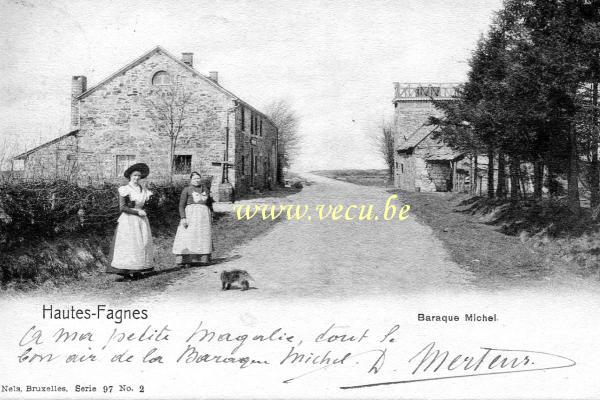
(132, 250)
(193, 240)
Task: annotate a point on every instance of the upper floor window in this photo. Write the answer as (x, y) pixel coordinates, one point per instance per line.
(161, 78)
(243, 118)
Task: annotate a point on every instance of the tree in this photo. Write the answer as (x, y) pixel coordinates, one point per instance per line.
(384, 144)
(7, 150)
(281, 113)
(170, 109)
(525, 98)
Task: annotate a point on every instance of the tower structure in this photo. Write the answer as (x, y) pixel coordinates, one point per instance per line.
(420, 162)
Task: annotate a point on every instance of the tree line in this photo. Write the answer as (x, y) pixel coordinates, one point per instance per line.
(531, 97)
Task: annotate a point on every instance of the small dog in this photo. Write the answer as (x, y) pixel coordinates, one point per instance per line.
(235, 276)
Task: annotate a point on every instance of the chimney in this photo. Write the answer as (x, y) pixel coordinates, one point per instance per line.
(214, 76)
(188, 59)
(78, 86)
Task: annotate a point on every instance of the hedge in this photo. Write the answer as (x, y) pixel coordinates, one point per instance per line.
(45, 210)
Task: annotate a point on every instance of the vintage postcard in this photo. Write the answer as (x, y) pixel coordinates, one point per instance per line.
(261, 199)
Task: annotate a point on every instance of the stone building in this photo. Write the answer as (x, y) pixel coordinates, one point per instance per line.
(422, 163)
(117, 123)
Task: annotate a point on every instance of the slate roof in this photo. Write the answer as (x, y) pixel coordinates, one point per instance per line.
(417, 137)
(58, 139)
(441, 153)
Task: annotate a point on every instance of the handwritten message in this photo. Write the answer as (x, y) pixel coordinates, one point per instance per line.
(353, 357)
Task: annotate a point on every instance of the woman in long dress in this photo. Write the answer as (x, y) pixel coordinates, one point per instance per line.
(132, 249)
(193, 241)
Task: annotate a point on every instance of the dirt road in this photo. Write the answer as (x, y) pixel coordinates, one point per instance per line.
(326, 258)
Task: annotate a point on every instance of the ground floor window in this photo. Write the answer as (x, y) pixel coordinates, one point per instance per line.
(182, 164)
(123, 161)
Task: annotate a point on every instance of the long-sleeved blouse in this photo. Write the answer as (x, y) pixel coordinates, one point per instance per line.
(193, 195)
(132, 199)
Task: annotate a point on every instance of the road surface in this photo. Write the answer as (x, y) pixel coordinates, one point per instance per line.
(326, 258)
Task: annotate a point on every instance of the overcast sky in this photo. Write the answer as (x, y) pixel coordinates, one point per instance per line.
(334, 61)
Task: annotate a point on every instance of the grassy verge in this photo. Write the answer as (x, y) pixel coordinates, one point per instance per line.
(58, 266)
(503, 242)
(491, 255)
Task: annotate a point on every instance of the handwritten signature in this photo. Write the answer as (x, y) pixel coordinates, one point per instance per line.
(490, 361)
(431, 363)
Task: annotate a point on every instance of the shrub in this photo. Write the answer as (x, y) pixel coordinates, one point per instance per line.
(44, 210)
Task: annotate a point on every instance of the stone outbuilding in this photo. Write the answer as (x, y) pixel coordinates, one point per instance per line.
(117, 122)
(426, 164)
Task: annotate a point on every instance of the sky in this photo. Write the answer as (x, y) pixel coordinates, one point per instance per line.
(335, 62)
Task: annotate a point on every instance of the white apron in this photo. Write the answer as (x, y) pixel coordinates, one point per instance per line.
(133, 250)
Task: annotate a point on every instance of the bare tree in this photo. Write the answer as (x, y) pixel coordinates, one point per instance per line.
(384, 144)
(8, 149)
(286, 121)
(170, 108)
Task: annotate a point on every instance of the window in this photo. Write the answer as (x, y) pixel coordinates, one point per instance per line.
(243, 119)
(161, 78)
(261, 127)
(122, 163)
(252, 125)
(182, 164)
(18, 165)
(401, 168)
(243, 166)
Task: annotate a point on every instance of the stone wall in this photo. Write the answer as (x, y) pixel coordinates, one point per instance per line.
(56, 160)
(115, 120)
(415, 173)
(405, 172)
(258, 143)
(440, 174)
(116, 126)
(412, 171)
(410, 116)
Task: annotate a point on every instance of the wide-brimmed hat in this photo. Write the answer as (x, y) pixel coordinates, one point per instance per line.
(141, 167)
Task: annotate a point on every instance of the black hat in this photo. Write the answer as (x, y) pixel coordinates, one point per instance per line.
(141, 167)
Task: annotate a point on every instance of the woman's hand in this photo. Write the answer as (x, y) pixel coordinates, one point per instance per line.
(141, 213)
(184, 223)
